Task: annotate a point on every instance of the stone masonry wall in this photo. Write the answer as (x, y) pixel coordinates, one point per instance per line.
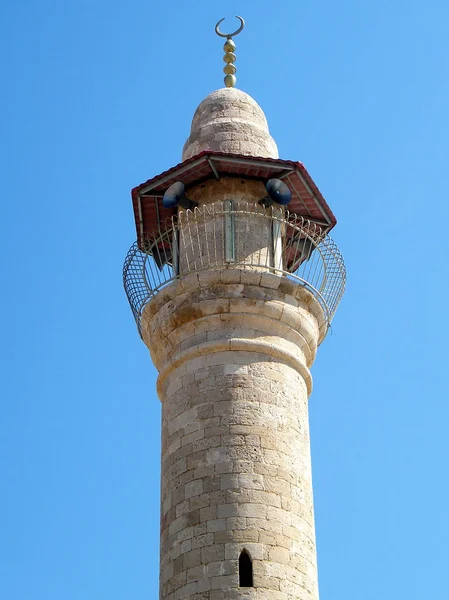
(233, 349)
(236, 474)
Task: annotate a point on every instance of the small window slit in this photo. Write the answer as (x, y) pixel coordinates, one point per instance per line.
(245, 570)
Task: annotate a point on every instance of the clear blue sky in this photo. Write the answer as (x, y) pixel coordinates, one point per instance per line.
(97, 97)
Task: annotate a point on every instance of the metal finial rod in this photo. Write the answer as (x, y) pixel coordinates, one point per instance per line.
(229, 47)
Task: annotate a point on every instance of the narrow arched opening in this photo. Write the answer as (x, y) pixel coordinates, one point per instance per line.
(245, 570)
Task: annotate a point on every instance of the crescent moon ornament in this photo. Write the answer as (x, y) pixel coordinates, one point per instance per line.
(229, 47)
(229, 35)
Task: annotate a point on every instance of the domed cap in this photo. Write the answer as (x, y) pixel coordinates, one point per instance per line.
(230, 121)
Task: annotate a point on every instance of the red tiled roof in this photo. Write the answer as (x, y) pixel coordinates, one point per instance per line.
(307, 200)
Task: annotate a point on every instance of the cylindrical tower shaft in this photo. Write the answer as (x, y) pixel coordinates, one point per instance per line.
(233, 347)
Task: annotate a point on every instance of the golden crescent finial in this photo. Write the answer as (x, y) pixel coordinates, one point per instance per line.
(229, 47)
(229, 35)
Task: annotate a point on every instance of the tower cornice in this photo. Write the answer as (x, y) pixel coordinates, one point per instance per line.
(205, 314)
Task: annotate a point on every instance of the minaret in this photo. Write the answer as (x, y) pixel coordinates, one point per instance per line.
(232, 293)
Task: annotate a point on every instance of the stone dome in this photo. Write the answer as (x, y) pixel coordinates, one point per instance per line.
(230, 121)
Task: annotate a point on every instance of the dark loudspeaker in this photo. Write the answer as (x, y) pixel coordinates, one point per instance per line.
(277, 192)
(176, 195)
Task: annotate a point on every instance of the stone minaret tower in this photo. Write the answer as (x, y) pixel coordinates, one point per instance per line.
(232, 293)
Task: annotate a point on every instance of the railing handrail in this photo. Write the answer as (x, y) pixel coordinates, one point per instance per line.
(308, 255)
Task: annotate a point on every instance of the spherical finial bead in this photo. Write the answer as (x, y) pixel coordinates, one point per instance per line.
(229, 46)
(229, 69)
(230, 80)
(229, 57)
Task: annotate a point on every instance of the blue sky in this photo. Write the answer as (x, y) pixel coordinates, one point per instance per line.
(98, 97)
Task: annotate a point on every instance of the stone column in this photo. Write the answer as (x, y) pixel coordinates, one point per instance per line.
(233, 347)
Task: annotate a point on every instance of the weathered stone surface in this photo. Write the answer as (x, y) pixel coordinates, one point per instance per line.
(236, 472)
(228, 120)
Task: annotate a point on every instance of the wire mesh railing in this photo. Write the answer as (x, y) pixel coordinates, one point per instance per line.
(241, 235)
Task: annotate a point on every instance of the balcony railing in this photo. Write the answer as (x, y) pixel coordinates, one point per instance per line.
(236, 234)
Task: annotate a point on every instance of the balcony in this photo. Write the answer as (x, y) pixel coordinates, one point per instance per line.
(240, 235)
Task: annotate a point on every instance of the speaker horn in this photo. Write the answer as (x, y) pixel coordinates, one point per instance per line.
(277, 191)
(176, 195)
